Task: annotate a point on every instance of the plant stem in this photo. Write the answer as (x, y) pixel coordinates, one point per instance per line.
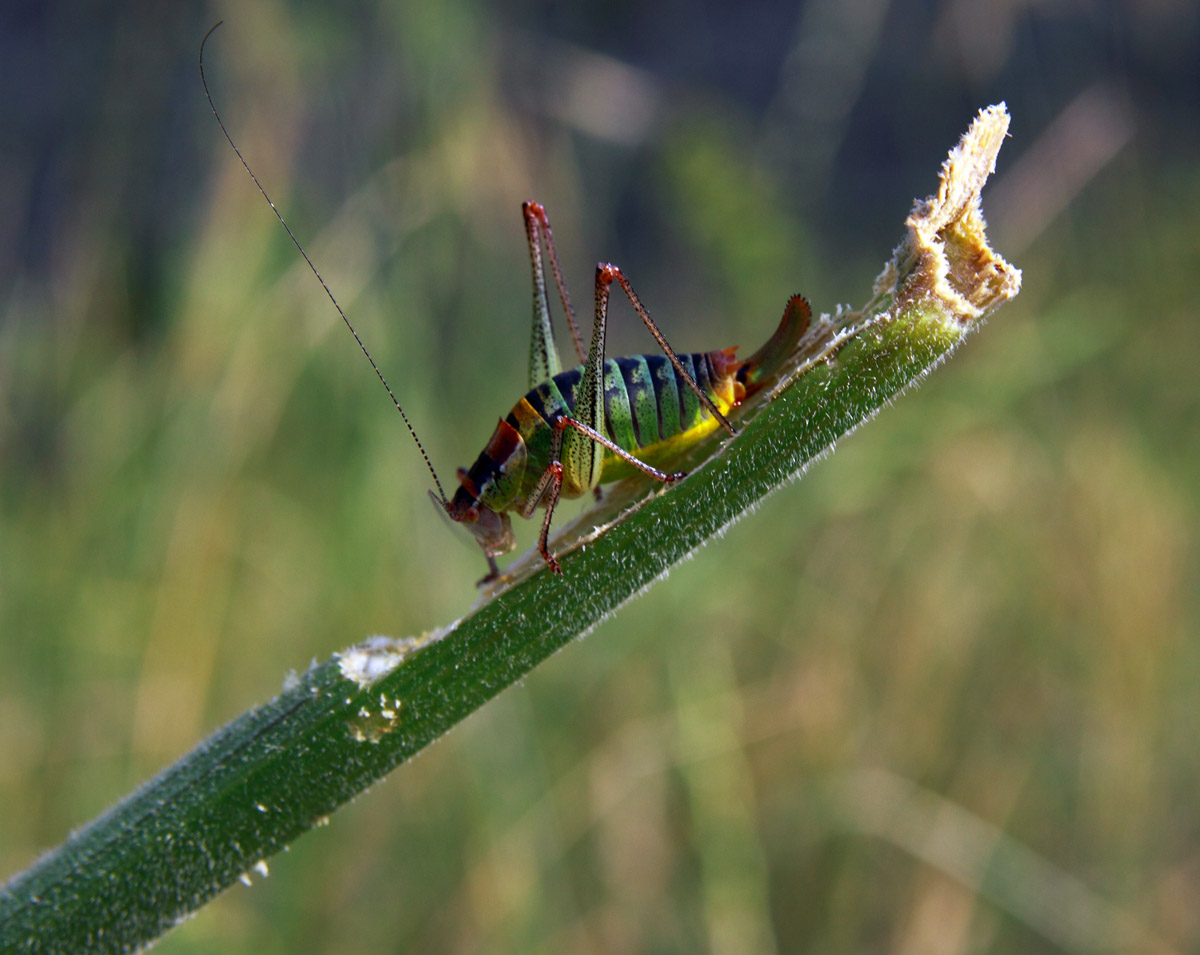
(281, 769)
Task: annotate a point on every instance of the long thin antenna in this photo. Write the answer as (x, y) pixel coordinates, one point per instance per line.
(296, 242)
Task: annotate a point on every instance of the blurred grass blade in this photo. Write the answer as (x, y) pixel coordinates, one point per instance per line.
(279, 770)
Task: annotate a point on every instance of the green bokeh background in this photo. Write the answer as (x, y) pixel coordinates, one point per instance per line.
(942, 696)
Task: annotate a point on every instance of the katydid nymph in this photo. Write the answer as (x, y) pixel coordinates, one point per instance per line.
(600, 421)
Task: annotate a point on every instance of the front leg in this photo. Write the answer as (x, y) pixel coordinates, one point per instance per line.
(549, 486)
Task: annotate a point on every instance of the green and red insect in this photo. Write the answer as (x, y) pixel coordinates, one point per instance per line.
(605, 419)
(601, 421)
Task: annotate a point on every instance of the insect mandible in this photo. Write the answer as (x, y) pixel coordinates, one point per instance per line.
(600, 421)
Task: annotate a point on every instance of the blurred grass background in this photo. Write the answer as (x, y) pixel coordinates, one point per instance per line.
(941, 696)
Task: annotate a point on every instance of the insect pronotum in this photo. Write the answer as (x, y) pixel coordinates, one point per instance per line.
(600, 421)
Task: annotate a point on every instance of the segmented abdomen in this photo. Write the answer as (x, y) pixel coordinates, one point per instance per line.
(646, 402)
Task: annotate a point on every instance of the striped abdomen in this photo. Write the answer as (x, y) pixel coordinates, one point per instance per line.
(649, 410)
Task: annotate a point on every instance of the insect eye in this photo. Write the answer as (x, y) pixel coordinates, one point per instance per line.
(472, 514)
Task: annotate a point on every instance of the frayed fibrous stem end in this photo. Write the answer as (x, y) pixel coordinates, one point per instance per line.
(944, 260)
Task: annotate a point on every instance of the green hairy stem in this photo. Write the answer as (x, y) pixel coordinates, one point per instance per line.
(282, 768)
